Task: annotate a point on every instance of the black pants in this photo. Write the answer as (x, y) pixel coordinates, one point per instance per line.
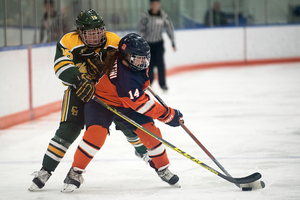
(157, 60)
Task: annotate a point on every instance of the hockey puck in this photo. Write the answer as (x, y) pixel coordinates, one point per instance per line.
(247, 188)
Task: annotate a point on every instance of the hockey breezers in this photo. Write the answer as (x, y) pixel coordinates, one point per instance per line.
(254, 185)
(244, 180)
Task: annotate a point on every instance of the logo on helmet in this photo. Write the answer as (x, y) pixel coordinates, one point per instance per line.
(124, 46)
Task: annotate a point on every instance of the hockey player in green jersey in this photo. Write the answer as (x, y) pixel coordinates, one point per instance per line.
(75, 58)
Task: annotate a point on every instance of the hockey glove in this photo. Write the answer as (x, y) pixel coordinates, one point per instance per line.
(171, 117)
(93, 68)
(93, 63)
(88, 53)
(85, 87)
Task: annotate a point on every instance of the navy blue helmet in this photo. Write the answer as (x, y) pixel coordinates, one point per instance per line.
(135, 51)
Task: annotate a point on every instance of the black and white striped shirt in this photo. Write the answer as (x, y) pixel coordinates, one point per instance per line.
(151, 26)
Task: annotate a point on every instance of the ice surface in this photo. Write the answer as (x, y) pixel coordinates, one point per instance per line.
(248, 118)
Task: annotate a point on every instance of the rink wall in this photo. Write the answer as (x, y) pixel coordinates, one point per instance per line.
(27, 72)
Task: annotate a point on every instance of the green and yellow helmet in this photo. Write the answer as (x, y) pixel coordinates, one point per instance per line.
(91, 28)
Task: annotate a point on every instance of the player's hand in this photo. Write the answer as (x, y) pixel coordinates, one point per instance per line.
(171, 117)
(93, 63)
(84, 86)
(94, 69)
(88, 53)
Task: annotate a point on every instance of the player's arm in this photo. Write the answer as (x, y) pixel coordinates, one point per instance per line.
(70, 75)
(144, 104)
(141, 102)
(64, 67)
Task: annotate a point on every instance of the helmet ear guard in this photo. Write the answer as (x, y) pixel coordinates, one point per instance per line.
(135, 51)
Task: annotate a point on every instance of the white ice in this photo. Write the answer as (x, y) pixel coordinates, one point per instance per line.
(247, 117)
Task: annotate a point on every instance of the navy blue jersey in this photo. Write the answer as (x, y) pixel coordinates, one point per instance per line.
(125, 88)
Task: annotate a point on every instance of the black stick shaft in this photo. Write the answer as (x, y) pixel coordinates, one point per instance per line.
(248, 179)
(192, 136)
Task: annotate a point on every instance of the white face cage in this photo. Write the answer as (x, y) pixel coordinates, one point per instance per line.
(139, 62)
(94, 38)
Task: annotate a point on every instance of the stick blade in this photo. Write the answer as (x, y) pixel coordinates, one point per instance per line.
(248, 179)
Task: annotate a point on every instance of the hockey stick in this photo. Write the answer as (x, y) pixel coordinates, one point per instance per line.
(256, 185)
(244, 180)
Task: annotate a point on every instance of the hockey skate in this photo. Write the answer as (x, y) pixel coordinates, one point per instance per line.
(144, 156)
(73, 180)
(168, 177)
(40, 178)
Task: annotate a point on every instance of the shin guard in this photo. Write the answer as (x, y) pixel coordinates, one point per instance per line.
(156, 149)
(93, 139)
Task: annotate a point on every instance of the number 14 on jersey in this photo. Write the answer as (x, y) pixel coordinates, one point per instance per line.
(136, 94)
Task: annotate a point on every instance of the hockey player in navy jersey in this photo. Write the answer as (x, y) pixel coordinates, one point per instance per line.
(122, 86)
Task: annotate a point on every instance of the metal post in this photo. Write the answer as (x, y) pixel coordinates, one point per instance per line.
(81, 5)
(236, 13)
(31, 110)
(21, 22)
(97, 7)
(105, 8)
(35, 22)
(130, 15)
(48, 37)
(210, 10)
(72, 15)
(179, 19)
(112, 17)
(60, 14)
(122, 24)
(194, 14)
(5, 22)
(266, 11)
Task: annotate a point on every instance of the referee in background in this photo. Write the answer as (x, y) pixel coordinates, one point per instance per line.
(151, 26)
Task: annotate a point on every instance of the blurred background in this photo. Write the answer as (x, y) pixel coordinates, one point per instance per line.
(22, 22)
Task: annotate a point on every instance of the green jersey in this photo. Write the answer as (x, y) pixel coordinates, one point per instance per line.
(68, 60)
